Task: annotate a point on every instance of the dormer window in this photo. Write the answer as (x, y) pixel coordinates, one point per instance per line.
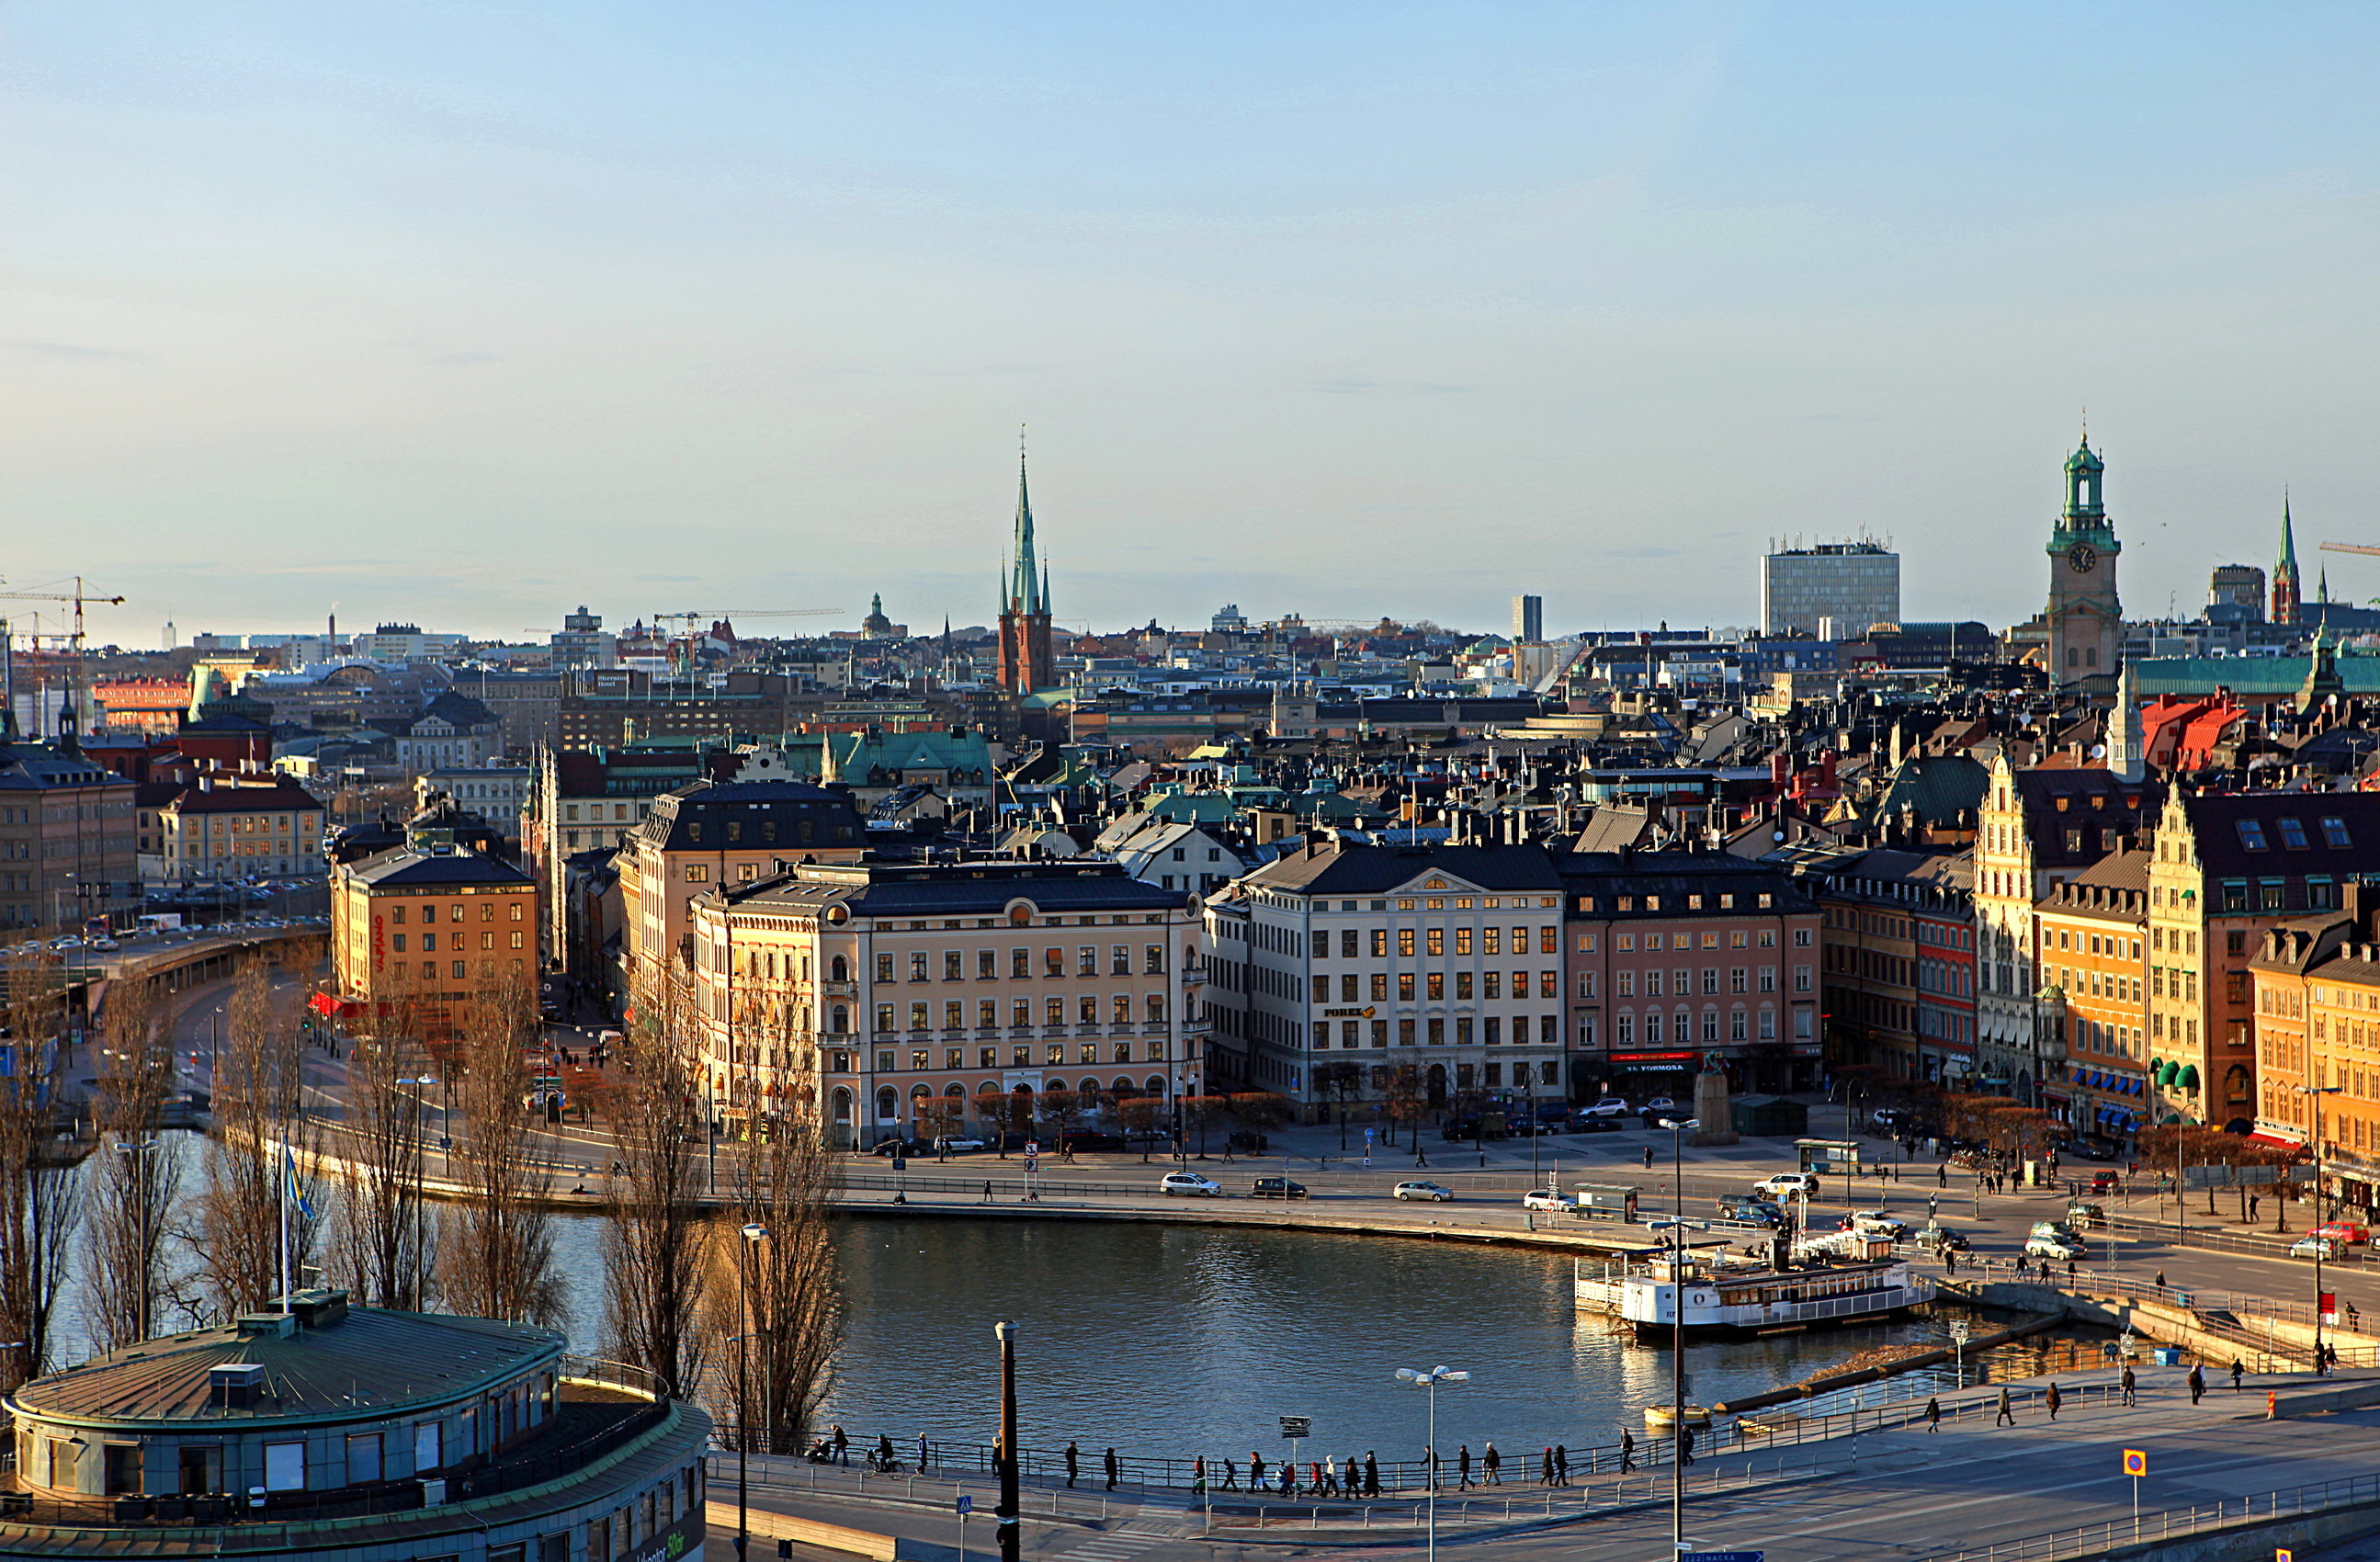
(2333, 834)
(2251, 835)
(2293, 835)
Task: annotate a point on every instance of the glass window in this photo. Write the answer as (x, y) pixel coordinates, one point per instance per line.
(2252, 834)
(2293, 835)
(2334, 833)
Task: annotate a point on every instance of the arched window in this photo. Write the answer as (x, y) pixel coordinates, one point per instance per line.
(888, 1106)
(838, 1020)
(1020, 916)
(954, 1092)
(838, 970)
(1157, 1085)
(842, 1104)
(1124, 1088)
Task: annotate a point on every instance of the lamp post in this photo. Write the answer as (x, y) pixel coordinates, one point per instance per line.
(2320, 1242)
(1677, 1127)
(140, 1153)
(1010, 1527)
(1431, 1380)
(752, 1234)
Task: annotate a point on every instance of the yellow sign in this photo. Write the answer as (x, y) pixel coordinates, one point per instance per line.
(2135, 1463)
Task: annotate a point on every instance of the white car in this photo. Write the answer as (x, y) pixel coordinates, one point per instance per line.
(1430, 1191)
(2064, 1249)
(1546, 1198)
(2317, 1247)
(1785, 1184)
(1876, 1223)
(1609, 1107)
(1189, 1183)
(1661, 1103)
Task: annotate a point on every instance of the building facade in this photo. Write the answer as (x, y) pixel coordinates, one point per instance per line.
(2084, 618)
(417, 931)
(1681, 963)
(2094, 941)
(68, 834)
(2317, 996)
(1898, 953)
(220, 829)
(895, 999)
(1335, 967)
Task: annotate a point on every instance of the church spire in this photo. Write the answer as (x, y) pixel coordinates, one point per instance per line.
(2286, 592)
(1025, 586)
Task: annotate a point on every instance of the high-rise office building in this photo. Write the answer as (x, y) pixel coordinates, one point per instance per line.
(1856, 584)
(2241, 586)
(1528, 620)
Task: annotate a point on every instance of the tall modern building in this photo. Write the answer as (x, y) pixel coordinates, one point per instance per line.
(1528, 620)
(1856, 584)
(1028, 660)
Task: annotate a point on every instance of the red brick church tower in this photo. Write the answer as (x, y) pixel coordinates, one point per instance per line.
(1027, 662)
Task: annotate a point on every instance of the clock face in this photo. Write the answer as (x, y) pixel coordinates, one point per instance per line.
(2081, 557)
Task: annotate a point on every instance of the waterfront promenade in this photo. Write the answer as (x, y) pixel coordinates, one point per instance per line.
(1889, 1488)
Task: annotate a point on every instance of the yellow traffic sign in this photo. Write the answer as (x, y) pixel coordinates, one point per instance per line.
(2135, 1463)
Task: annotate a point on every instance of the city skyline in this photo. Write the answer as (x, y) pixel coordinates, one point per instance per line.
(491, 315)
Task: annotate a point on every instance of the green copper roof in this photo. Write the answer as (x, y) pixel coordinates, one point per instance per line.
(2289, 559)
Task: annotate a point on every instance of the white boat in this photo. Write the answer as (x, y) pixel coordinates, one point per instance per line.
(1720, 1296)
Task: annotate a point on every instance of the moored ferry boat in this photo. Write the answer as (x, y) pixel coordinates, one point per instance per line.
(1742, 1297)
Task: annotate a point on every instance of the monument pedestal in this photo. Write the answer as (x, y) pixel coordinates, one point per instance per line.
(1711, 1109)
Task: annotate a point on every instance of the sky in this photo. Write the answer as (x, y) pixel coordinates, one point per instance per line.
(466, 314)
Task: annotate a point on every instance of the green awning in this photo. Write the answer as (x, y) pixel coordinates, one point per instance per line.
(2166, 1075)
(2189, 1076)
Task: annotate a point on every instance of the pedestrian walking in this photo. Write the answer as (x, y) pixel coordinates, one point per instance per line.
(1073, 1462)
(1949, 1261)
(2008, 1412)
(1627, 1451)
(1546, 1467)
(1463, 1465)
(1492, 1464)
(2253, 1200)
(1330, 1477)
(1255, 1471)
(1685, 1445)
(1649, 1157)
(1932, 1414)
(1289, 1478)
(2239, 1371)
(2197, 1383)
(1942, 1174)
(2053, 1399)
(1113, 1469)
(1933, 1207)
(1198, 1473)
(1371, 1473)
(1231, 1476)
(2160, 1280)
(842, 1444)
(925, 1452)
(987, 1190)
(2070, 1268)
(1561, 1464)
(2130, 1385)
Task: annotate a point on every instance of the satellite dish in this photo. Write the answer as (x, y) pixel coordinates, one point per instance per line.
(2098, 751)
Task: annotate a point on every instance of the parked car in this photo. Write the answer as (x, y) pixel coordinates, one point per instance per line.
(1586, 1123)
(2105, 1181)
(1428, 1192)
(1546, 1198)
(1876, 1223)
(2351, 1233)
(1609, 1107)
(897, 1146)
(1661, 1104)
(2314, 1246)
(1784, 1184)
(1751, 1212)
(1460, 1128)
(2093, 1150)
(957, 1144)
(1189, 1183)
(1276, 1187)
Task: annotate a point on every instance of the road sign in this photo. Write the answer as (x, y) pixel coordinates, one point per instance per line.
(2135, 1463)
(1298, 1427)
(1722, 1556)
(2283, 1555)
(966, 1503)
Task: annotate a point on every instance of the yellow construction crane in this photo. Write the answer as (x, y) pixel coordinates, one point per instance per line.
(2347, 548)
(77, 597)
(691, 619)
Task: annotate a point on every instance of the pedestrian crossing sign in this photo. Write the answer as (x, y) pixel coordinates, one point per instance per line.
(2135, 1463)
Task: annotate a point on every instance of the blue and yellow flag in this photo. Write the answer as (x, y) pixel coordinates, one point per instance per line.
(289, 1185)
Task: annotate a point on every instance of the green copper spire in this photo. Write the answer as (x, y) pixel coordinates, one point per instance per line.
(2289, 559)
(2084, 504)
(1026, 590)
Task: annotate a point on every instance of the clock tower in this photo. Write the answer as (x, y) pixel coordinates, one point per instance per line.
(2086, 622)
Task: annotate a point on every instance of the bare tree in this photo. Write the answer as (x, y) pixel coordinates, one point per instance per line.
(496, 1244)
(780, 1291)
(134, 1181)
(383, 1230)
(40, 1202)
(242, 1222)
(653, 1239)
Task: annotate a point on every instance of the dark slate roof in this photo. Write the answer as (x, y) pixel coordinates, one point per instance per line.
(1672, 876)
(405, 866)
(965, 888)
(2101, 805)
(247, 800)
(365, 1364)
(834, 816)
(2215, 820)
(1333, 868)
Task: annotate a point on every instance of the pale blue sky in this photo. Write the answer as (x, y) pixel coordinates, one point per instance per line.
(468, 313)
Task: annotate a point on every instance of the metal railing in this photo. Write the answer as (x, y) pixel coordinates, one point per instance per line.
(2260, 1507)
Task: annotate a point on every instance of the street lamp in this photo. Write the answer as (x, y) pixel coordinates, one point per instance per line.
(2320, 1241)
(1008, 1512)
(140, 1153)
(752, 1234)
(1677, 1127)
(1431, 1380)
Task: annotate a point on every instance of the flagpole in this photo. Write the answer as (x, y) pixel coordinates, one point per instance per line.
(281, 1175)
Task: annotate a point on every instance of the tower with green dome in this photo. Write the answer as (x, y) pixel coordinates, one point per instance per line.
(2085, 617)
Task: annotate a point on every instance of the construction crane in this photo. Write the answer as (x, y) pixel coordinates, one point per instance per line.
(691, 619)
(2347, 548)
(77, 597)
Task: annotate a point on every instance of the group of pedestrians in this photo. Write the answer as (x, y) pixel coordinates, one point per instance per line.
(1324, 1477)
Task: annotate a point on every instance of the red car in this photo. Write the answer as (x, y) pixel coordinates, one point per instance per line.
(2348, 1232)
(2105, 1182)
